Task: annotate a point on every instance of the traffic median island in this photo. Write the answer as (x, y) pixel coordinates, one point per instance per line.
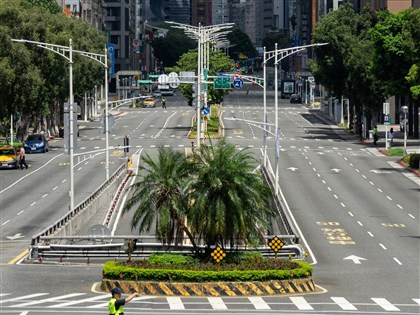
(266, 276)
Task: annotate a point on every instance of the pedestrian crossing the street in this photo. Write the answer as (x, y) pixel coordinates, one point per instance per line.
(292, 303)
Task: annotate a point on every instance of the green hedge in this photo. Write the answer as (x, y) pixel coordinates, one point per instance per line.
(119, 271)
(414, 160)
(170, 259)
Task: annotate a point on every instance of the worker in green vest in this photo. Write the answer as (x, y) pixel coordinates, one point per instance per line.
(116, 303)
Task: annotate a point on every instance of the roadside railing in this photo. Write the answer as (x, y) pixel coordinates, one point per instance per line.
(103, 248)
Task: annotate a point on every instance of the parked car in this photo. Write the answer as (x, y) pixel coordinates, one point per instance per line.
(149, 102)
(36, 143)
(8, 157)
(295, 98)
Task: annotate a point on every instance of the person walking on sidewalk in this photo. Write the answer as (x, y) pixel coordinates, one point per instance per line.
(116, 303)
(163, 100)
(22, 161)
(375, 135)
(391, 136)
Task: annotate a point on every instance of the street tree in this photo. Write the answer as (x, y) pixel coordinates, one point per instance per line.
(219, 62)
(343, 65)
(169, 48)
(34, 81)
(214, 197)
(241, 45)
(232, 203)
(161, 196)
(396, 57)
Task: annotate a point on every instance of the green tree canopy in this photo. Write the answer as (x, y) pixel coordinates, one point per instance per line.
(219, 62)
(396, 51)
(215, 197)
(343, 66)
(241, 44)
(168, 49)
(35, 81)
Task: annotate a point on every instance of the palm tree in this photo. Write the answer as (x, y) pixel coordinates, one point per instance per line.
(160, 195)
(231, 202)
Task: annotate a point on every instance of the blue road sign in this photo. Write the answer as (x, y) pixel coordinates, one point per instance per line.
(206, 110)
(238, 83)
(111, 52)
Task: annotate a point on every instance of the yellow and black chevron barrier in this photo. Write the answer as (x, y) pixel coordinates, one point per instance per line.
(276, 287)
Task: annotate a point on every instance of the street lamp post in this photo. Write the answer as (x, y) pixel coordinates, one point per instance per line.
(278, 55)
(203, 35)
(67, 53)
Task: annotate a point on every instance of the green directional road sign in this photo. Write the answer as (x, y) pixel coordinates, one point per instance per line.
(222, 83)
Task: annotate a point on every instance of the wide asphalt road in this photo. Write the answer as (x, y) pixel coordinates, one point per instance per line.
(357, 214)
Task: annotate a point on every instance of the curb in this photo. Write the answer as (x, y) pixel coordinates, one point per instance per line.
(233, 289)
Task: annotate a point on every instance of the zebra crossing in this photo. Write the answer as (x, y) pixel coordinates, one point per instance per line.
(291, 303)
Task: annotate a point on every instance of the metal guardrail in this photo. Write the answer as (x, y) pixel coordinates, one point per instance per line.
(79, 208)
(106, 248)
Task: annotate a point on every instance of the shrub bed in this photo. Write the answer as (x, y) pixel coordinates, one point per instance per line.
(188, 269)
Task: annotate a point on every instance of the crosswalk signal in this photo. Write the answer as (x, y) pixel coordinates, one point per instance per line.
(126, 144)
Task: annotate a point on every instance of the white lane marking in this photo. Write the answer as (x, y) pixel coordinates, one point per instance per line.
(32, 204)
(24, 313)
(398, 262)
(61, 297)
(351, 214)
(217, 303)
(385, 304)
(357, 170)
(79, 168)
(382, 245)
(380, 190)
(6, 222)
(351, 164)
(55, 187)
(44, 196)
(97, 147)
(364, 176)
(259, 303)
(319, 175)
(23, 297)
(64, 180)
(95, 298)
(411, 215)
(21, 212)
(345, 158)
(323, 181)
(417, 301)
(314, 169)
(342, 204)
(175, 303)
(329, 188)
(82, 148)
(360, 223)
(164, 126)
(389, 197)
(372, 183)
(301, 303)
(23, 177)
(399, 206)
(335, 196)
(370, 233)
(344, 304)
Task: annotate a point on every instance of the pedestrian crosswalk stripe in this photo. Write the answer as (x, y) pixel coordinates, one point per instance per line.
(417, 301)
(61, 297)
(301, 303)
(217, 303)
(24, 297)
(385, 304)
(95, 298)
(259, 303)
(175, 303)
(344, 304)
